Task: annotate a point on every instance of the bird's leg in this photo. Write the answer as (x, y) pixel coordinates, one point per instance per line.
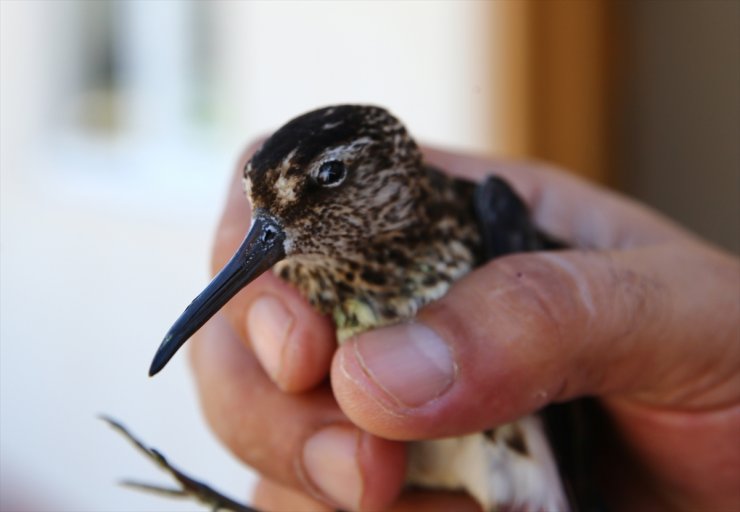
(190, 488)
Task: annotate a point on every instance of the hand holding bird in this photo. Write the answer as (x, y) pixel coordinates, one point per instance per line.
(642, 314)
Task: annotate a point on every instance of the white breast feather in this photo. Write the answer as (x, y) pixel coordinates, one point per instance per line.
(492, 472)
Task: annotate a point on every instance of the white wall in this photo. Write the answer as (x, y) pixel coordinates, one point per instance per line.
(429, 62)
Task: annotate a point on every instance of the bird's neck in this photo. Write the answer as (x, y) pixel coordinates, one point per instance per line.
(388, 279)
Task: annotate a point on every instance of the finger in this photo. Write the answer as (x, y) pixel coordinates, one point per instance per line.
(527, 330)
(657, 440)
(300, 440)
(272, 497)
(269, 496)
(415, 500)
(293, 342)
(565, 206)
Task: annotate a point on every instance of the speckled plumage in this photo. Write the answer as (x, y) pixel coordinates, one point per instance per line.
(346, 210)
(392, 236)
(388, 240)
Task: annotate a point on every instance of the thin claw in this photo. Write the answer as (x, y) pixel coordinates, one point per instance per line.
(190, 487)
(170, 492)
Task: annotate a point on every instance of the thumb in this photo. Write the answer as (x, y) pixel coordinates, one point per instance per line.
(526, 330)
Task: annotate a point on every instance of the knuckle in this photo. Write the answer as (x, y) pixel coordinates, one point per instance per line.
(523, 290)
(243, 433)
(541, 291)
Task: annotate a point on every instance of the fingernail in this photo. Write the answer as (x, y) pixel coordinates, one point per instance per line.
(409, 361)
(268, 325)
(330, 459)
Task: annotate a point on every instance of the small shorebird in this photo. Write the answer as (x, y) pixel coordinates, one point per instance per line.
(345, 209)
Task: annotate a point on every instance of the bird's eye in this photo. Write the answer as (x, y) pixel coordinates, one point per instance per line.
(331, 173)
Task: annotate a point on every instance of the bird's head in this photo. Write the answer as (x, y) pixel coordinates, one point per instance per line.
(323, 185)
(333, 178)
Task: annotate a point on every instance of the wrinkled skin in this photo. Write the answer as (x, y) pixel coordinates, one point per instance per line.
(642, 314)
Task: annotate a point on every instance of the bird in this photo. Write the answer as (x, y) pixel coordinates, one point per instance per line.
(345, 209)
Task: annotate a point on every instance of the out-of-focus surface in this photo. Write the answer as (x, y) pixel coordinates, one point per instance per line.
(681, 146)
(120, 123)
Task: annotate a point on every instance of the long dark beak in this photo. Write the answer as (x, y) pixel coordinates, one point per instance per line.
(260, 250)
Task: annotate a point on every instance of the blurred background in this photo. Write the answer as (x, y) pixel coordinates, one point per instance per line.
(121, 122)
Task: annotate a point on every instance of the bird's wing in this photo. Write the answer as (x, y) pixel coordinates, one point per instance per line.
(507, 227)
(504, 220)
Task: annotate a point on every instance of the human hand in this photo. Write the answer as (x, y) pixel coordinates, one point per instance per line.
(639, 313)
